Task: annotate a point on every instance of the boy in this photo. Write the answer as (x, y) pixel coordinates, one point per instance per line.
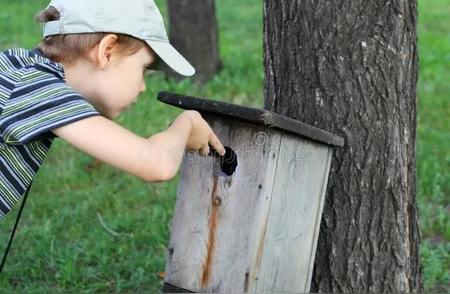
(88, 69)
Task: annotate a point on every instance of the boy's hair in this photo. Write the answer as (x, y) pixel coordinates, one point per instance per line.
(69, 48)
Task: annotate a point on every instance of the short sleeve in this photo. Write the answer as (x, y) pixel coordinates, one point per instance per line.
(38, 105)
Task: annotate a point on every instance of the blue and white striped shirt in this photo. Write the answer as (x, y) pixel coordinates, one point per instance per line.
(34, 99)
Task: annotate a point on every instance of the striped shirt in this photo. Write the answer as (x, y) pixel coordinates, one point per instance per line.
(34, 99)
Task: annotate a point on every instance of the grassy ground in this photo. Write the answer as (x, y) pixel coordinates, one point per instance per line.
(62, 245)
(433, 156)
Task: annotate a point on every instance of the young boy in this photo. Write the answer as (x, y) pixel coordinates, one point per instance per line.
(89, 68)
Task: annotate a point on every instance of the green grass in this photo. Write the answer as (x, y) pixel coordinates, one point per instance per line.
(433, 156)
(61, 244)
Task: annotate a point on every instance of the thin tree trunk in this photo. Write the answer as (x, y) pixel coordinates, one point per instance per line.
(193, 31)
(350, 67)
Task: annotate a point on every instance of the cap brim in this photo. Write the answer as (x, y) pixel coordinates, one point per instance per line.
(171, 57)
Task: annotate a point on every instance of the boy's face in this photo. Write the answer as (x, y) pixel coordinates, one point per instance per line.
(110, 80)
(119, 85)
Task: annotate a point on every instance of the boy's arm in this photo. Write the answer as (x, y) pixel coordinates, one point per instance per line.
(152, 159)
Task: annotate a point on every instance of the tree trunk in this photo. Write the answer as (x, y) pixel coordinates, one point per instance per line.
(350, 67)
(193, 31)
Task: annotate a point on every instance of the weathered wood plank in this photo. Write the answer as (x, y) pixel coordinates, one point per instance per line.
(219, 223)
(294, 217)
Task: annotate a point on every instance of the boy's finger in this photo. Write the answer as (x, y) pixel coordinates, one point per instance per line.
(204, 150)
(215, 143)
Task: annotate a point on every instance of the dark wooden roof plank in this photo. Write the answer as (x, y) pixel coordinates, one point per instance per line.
(252, 115)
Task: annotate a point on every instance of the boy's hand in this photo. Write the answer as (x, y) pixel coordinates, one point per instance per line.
(202, 135)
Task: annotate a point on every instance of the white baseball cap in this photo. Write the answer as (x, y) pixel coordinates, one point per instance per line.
(137, 18)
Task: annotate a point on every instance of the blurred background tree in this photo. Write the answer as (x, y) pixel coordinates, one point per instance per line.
(194, 32)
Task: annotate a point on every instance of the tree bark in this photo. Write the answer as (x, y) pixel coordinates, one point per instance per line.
(350, 67)
(193, 31)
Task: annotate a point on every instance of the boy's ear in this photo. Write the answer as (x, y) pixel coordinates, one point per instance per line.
(106, 51)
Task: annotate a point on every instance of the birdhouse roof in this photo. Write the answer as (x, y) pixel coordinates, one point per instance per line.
(251, 115)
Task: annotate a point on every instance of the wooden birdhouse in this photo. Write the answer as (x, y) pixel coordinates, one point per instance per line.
(254, 230)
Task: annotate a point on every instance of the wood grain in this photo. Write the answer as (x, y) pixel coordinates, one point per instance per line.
(226, 231)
